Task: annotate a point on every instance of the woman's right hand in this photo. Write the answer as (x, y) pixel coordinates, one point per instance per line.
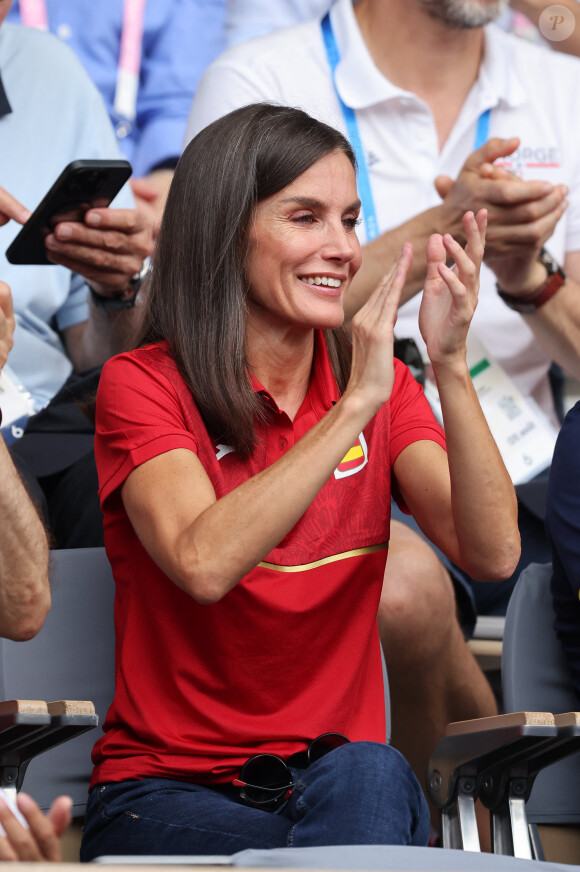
(7, 323)
(372, 371)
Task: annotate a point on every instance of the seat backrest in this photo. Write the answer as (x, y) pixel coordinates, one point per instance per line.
(535, 677)
(72, 657)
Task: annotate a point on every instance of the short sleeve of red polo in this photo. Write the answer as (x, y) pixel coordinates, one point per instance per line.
(412, 420)
(140, 415)
(411, 417)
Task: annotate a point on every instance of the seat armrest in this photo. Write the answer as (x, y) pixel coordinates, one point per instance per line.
(471, 748)
(29, 727)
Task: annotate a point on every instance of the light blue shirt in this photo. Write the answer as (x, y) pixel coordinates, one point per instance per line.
(180, 39)
(57, 116)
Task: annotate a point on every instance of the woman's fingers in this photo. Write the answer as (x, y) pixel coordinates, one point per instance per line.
(452, 280)
(372, 370)
(468, 261)
(464, 265)
(388, 291)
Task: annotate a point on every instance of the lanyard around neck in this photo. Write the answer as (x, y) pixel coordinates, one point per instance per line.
(33, 14)
(125, 105)
(364, 184)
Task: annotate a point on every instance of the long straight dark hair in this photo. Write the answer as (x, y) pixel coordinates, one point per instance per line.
(197, 295)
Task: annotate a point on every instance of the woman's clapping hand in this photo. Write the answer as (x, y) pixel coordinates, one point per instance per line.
(450, 294)
(372, 371)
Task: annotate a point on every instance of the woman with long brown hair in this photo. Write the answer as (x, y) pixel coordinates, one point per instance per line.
(247, 450)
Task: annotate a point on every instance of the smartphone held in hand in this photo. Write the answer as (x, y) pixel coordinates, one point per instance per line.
(83, 185)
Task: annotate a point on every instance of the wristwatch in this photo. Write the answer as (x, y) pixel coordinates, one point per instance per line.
(129, 296)
(528, 304)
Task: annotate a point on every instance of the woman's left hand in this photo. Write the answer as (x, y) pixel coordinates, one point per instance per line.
(450, 295)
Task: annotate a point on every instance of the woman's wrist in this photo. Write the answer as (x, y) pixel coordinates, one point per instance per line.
(362, 403)
(451, 371)
(355, 408)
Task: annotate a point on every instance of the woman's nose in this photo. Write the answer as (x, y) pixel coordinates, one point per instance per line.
(340, 243)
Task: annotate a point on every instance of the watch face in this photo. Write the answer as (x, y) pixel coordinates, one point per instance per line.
(549, 262)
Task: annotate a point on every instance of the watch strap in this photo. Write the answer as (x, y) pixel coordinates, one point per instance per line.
(529, 303)
(128, 298)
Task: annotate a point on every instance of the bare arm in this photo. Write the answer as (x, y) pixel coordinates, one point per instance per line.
(519, 212)
(24, 588)
(515, 263)
(107, 249)
(207, 546)
(556, 324)
(382, 251)
(151, 193)
(466, 503)
(91, 343)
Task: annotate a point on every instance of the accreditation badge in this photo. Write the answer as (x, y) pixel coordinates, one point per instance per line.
(523, 433)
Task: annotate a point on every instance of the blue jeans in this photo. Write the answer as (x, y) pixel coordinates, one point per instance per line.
(363, 793)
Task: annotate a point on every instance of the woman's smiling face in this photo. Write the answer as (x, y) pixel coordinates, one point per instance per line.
(303, 248)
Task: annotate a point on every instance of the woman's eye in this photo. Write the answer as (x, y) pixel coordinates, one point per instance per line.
(304, 219)
(351, 223)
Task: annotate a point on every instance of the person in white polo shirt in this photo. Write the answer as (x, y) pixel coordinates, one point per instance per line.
(435, 98)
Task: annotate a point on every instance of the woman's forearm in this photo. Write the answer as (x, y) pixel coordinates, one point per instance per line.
(206, 546)
(483, 500)
(227, 538)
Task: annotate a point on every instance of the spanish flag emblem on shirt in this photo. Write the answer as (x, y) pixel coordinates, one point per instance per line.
(354, 459)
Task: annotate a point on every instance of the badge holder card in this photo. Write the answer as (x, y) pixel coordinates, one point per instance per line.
(523, 433)
(16, 403)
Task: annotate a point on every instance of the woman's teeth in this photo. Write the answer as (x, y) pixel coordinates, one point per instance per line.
(323, 280)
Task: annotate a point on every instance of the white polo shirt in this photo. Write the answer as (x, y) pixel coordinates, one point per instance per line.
(532, 93)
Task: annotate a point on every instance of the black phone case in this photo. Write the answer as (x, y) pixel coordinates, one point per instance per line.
(82, 185)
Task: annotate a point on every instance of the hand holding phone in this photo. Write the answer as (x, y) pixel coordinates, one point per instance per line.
(83, 185)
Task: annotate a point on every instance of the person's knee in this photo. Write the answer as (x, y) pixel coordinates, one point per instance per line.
(417, 600)
(371, 766)
(371, 791)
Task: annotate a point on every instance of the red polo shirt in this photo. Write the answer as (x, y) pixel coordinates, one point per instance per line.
(293, 650)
